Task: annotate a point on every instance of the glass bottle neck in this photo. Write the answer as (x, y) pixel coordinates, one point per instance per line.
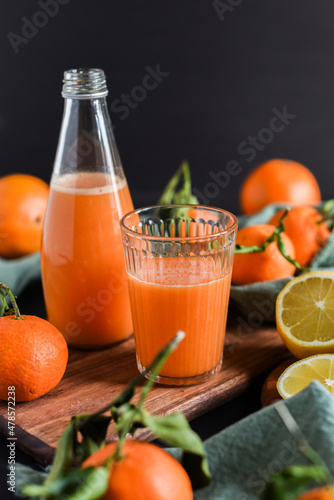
(86, 142)
(84, 83)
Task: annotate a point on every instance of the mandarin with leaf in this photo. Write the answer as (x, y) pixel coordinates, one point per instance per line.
(306, 229)
(145, 472)
(261, 266)
(85, 468)
(33, 353)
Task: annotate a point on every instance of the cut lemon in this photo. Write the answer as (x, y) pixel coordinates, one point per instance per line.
(301, 373)
(305, 314)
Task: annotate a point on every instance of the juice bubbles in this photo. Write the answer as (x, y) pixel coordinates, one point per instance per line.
(179, 262)
(83, 272)
(180, 294)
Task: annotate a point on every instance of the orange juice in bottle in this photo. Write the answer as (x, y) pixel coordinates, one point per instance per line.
(83, 270)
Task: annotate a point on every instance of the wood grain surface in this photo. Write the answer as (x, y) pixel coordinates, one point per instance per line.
(94, 378)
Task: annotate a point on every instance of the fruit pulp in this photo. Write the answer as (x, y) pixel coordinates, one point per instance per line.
(83, 269)
(180, 294)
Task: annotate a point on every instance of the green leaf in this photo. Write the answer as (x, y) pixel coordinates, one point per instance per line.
(184, 195)
(94, 430)
(328, 208)
(327, 212)
(175, 430)
(125, 422)
(293, 481)
(63, 479)
(26, 475)
(84, 484)
(249, 248)
(127, 394)
(64, 455)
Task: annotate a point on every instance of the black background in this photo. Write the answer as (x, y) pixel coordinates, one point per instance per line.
(226, 74)
(227, 70)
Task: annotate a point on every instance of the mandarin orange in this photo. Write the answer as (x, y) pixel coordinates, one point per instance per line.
(146, 472)
(23, 200)
(323, 493)
(261, 266)
(278, 180)
(33, 357)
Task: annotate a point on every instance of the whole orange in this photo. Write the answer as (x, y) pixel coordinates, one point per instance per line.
(261, 266)
(277, 181)
(33, 357)
(324, 493)
(145, 473)
(23, 200)
(307, 235)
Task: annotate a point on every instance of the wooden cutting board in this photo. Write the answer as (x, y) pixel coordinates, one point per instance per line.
(269, 393)
(93, 379)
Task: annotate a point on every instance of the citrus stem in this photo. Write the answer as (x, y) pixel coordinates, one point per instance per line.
(167, 196)
(184, 195)
(12, 299)
(159, 361)
(126, 428)
(154, 370)
(277, 238)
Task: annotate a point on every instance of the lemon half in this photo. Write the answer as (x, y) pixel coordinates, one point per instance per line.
(305, 314)
(301, 373)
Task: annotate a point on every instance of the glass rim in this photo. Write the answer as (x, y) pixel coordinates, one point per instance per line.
(205, 237)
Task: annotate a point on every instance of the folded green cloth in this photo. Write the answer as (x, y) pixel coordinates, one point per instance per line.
(257, 300)
(244, 456)
(17, 273)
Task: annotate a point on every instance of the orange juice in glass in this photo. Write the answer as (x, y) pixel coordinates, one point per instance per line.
(179, 261)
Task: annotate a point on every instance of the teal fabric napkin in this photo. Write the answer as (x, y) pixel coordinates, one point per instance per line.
(257, 300)
(17, 273)
(244, 456)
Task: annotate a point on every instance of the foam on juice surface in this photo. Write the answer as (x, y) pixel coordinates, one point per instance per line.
(87, 183)
(183, 271)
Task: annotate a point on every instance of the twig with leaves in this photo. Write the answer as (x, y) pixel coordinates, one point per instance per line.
(178, 191)
(85, 434)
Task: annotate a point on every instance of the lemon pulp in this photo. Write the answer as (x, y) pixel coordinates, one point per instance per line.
(301, 373)
(305, 314)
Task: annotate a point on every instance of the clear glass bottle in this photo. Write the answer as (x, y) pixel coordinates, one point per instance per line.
(83, 271)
